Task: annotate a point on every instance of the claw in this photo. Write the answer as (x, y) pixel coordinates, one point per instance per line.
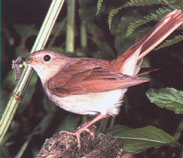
(84, 127)
(78, 132)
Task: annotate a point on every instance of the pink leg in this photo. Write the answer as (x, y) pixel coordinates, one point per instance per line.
(84, 127)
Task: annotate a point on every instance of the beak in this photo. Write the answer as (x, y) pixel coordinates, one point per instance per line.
(32, 61)
(29, 60)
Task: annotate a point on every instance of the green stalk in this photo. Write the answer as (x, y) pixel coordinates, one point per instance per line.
(70, 25)
(83, 35)
(20, 88)
(179, 130)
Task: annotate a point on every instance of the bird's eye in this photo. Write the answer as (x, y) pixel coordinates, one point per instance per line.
(47, 58)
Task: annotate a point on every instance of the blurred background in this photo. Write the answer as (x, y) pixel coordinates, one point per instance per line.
(99, 33)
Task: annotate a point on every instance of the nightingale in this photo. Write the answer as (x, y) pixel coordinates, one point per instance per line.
(90, 86)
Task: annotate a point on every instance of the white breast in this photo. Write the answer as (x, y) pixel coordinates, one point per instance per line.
(93, 103)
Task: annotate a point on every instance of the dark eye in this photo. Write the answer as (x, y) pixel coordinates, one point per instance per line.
(47, 58)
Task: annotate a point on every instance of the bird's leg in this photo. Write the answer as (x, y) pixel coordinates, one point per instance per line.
(84, 127)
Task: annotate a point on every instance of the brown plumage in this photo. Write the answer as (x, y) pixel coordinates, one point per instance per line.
(78, 79)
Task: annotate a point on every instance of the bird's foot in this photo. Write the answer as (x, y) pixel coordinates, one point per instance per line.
(78, 132)
(84, 127)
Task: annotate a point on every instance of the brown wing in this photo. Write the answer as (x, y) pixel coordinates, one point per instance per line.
(73, 81)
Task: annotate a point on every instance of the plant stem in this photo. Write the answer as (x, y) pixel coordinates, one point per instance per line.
(83, 35)
(70, 25)
(20, 88)
(179, 130)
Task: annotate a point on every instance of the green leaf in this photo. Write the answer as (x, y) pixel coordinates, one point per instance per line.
(111, 15)
(132, 3)
(140, 139)
(115, 130)
(137, 3)
(157, 15)
(168, 98)
(99, 5)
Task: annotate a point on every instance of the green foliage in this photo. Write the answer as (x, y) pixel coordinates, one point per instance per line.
(163, 7)
(159, 13)
(140, 139)
(99, 5)
(138, 34)
(132, 3)
(168, 98)
(143, 3)
(112, 13)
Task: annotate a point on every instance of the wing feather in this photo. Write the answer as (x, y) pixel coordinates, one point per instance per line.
(96, 79)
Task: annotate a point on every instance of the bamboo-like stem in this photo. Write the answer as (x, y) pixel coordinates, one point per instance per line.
(70, 25)
(83, 39)
(20, 88)
(83, 35)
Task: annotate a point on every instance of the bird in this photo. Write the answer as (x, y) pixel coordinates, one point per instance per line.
(89, 86)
